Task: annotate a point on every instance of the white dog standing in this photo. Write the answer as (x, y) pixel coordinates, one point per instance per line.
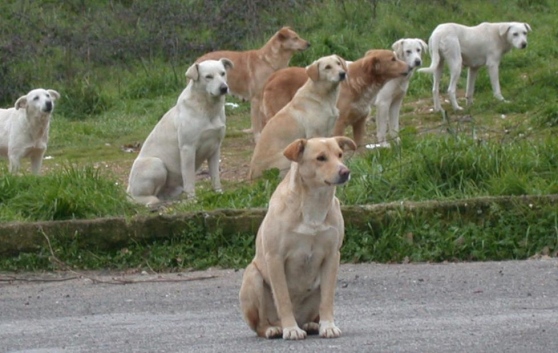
(472, 47)
(187, 135)
(390, 98)
(24, 128)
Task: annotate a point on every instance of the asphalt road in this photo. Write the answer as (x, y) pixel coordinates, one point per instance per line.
(465, 307)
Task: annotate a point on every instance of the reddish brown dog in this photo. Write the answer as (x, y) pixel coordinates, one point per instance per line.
(252, 68)
(366, 77)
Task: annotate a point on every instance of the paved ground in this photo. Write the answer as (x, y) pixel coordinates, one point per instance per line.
(466, 307)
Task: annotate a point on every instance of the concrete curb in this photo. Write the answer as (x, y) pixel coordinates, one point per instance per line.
(114, 233)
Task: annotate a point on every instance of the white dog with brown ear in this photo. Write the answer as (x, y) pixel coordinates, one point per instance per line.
(472, 47)
(24, 128)
(390, 98)
(190, 133)
(288, 289)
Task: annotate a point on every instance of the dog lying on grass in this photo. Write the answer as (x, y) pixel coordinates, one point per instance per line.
(190, 133)
(366, 76)
(288, 289)
(312, 112)
(24, 128)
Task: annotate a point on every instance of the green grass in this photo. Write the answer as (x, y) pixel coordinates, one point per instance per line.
(491, 148)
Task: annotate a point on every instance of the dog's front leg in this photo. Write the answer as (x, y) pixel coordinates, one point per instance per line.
(279, 287)
(188, 169)
(327, 288)
(213, 163)
(493, 72)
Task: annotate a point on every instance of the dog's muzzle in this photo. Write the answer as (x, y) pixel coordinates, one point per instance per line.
(523, 45)
(224, 89)
(48, 107)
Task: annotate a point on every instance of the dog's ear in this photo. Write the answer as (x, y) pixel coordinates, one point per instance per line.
(193, 72)
(343, 64)
(313, 71)
(345, 143)
(423, 44)
(504, 28)
(398, 48)
(294, 150)
(372, 64)
(527, 27)
(55, 95)
(283, 33)
(227, 63)
(21, 102)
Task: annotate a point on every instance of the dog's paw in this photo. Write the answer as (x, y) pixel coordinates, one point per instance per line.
(293, 333)
(273, 332)
(329, 330)
(311, 328)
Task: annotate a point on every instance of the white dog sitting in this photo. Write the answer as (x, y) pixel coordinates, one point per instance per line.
(187, 135)
(390, 98)
(472, 47)
(24, 128)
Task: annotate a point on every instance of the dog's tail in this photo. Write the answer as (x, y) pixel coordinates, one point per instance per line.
(434, 56)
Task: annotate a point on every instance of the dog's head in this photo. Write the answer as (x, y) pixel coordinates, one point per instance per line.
(38, 101)
(290, 40)
(328, 68)
(410, 50)
(384, 65)
(211, 75)
(515, 33)
(320, 160)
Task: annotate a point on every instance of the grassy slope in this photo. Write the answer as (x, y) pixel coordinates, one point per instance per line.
(491, 148)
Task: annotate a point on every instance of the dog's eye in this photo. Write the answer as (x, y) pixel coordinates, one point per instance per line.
(36, 98)
(515, 34)
(328, 67)
(222, 74)
(340, 155)
(408, 52)
(322, 158)
(393, 59)
(209, 77)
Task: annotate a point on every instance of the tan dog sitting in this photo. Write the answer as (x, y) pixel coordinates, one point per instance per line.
(311, 113)
(252, 68)
(289, 287)
(367, 76)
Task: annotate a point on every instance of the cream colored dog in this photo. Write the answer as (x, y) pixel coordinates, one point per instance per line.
(472, 47)
(24, 128)
(390, 98)
(311, 113)
(289, 287)
(252, 68)
(366, 77)
(187, 135)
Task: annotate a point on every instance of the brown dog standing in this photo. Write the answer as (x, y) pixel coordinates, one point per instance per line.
(366, 77)
(289, 287)
(252, 68)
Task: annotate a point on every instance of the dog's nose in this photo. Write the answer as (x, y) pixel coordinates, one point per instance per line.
(344, 174)
(523, 45)
(224, 89)
(342, 76)
(418, 62)
(48, 106)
